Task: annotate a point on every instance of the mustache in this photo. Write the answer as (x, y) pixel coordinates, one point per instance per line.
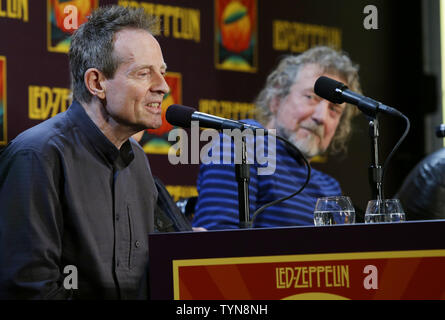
(313, 127)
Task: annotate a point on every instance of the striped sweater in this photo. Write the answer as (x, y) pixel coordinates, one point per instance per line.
(217, 206)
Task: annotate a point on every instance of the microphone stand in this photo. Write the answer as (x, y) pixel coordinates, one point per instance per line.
(242, 172)
(375, 171)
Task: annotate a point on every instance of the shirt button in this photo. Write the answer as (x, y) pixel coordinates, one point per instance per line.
(117, 263)
(137, 244)
(117, 217)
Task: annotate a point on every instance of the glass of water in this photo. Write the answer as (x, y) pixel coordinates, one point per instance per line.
(386, 210)
(334, 210)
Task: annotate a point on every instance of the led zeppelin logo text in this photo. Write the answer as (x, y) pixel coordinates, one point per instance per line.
(178, 22)
(299, 37)
(228, 109)
(14, 9)
(312, 277)
(45, 102)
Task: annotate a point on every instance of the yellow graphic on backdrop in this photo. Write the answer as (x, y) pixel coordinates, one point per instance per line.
(298, 37)
(176, 22)
(60, 15)
(14, 9)
(46, 102)
(236, 38)
(228, 109)
(182, 192)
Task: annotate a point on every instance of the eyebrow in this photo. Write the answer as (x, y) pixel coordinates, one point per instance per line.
(147, 66)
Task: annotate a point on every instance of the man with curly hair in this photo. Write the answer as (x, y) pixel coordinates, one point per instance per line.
(314, 125)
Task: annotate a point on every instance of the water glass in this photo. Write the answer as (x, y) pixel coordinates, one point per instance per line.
(386, 210)
(334, 210)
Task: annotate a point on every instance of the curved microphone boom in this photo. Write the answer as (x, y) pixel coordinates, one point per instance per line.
(338, 92)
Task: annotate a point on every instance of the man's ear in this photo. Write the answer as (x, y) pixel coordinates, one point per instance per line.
(94, 82)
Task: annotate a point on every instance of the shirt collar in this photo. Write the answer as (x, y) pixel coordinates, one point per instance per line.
(99, 141)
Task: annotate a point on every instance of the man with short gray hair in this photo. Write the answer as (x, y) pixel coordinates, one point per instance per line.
(314, 125)
(70, 187)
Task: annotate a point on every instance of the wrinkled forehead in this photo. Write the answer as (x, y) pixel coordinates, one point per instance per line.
(309, 73)
(130, 44)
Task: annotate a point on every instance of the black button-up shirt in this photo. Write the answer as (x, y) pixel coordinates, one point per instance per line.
(69, 197)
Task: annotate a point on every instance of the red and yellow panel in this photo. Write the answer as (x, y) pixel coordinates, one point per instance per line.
(391, 275)
(63, 18)
(236, 37)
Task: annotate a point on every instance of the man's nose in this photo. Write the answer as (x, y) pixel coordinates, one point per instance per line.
(160, 85)
(321, 112)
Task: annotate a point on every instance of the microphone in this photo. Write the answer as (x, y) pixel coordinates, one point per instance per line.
(338, 92)
(440, 131)
(182, 116)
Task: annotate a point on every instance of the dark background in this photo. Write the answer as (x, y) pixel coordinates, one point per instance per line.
(390, 60)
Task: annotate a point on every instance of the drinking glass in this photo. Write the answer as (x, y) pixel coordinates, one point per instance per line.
(386, 210)
(334, 210)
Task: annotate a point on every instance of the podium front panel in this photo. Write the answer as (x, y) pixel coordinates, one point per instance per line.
(377, 261)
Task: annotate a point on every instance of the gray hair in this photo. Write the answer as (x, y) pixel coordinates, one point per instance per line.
(92, 43)
(280, 81)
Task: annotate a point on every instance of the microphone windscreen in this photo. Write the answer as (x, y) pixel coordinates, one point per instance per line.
(178, 115)
(326, 88)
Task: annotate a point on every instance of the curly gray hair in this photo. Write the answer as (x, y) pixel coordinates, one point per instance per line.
(280, 81)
